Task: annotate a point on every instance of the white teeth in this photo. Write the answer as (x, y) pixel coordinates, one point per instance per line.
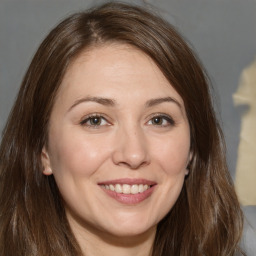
(141, 188)
(145, 187)
(118, 188)
(134, 189)
(127, 189)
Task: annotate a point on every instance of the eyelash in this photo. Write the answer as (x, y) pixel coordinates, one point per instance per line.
(90, 119)
(167, 118)
(163, 117)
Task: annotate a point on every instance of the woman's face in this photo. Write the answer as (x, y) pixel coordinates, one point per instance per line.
(119, 142)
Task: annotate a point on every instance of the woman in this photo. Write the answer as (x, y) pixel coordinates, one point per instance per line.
(112, 146)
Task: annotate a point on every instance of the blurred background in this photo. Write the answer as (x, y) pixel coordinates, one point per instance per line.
(221, 32)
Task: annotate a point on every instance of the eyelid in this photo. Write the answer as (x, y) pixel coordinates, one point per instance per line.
(87, 118)
(167, 117)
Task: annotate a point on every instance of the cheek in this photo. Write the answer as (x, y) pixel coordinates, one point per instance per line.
(76, 154)
(172, 157)
(173, 154)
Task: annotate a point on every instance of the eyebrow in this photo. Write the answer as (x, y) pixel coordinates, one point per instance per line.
(102, 101)
(153, 102)
(111, 102)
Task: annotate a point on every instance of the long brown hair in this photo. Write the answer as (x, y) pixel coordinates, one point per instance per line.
(206, 219)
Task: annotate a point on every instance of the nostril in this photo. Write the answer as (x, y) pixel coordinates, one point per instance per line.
(131, 149)
(130, 160)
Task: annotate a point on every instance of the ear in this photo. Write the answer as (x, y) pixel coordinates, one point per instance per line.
(190, 156)
(46, 162)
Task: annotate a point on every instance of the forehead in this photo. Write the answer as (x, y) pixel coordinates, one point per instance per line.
(115, 70)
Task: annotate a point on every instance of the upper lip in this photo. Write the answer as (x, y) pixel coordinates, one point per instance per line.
(128, 181)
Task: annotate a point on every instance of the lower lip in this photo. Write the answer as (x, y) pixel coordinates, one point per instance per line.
(130, 198)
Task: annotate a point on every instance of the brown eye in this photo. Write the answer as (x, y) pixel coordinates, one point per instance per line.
(157, 120)
(94, 121)
(161, 120)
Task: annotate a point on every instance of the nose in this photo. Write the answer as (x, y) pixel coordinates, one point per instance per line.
(131, 149)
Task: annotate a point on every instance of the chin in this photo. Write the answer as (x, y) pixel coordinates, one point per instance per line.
(120, 234)
(130, 227)
(130, 232)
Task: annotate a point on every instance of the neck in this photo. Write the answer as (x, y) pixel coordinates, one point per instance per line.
(96, 242)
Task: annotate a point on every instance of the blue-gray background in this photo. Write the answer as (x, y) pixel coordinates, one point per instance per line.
(222, 32)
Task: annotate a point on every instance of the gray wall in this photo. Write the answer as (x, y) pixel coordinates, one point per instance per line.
(222, 32)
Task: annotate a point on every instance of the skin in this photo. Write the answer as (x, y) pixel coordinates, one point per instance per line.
(127, 142)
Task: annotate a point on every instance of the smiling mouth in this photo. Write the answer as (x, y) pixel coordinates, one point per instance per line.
(127, 189)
